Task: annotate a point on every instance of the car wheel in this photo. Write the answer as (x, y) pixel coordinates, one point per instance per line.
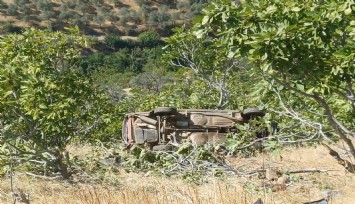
(252, 112)
(165, 111)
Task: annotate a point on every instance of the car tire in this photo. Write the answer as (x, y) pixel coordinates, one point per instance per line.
(165, 111)
(253, 112)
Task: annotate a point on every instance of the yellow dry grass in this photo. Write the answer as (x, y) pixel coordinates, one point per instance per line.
(138, 188)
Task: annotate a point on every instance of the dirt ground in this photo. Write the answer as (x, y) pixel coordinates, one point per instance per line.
(277, 185)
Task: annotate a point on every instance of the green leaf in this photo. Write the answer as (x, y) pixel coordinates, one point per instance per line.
(295, 9)
(300, 87)
(264, 57)
(310, 91)
(271, 9)
(348, 11)
(205, 20)
(199, 33)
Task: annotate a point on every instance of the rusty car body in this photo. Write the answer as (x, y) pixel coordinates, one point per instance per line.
(166, 126)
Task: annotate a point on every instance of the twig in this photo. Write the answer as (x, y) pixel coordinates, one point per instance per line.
(43, 177)
(297, 171)
(11, 176)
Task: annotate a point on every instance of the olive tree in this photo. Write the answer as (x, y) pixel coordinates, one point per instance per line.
(307, 47)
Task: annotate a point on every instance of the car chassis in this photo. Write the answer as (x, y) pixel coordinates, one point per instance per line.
(167, 126)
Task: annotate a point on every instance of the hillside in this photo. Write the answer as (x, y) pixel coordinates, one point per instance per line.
(98, 17)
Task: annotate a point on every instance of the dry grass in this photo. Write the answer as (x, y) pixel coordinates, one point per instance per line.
(139, 188)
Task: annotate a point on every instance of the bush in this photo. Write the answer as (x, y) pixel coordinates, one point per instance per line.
(3, 5)
(160, 18)
(66, 16)
(141, 2)
(149, 39)
(12, 10)
(21, 2)
(26, 10)
(9, 27)
(47, 15)
(115, 42)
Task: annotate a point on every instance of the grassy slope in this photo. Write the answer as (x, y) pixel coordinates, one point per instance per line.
(140, 188)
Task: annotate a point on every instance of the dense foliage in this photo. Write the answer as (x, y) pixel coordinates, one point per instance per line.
(303, 47)
(44, 100)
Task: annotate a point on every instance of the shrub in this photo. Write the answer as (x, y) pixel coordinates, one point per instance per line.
(149, 39)
(12, 10)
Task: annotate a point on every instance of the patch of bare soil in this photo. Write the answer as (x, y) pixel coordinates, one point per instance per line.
(131, 3)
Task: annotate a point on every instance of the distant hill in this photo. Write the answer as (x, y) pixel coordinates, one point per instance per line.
(126, 18)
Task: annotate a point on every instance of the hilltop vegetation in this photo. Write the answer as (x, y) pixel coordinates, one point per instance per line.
(99, 17)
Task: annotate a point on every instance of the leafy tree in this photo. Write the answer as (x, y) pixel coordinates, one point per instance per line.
(182, 5)
(3, 5)
(92, 62)
(96, 2)
(124, 60)
(205, 59)
(154, 54)
(111, 16)
(66, 16)
(177, 92)
(305, 47)
(154, 77)
(46, 15)
(104, 10)
(129, 60)
(160, 18)
(115, 42)
(133, 16)
(44, 6)
(99, 19)
(76, 20)
(12, 10)
(26, 10)
(124, 16)
(189, 9)
(112, 82)
(149, 39)
(44, 101)
(82, 7)
(64, 7)
(85, 19)
(144, 11)
(9, 27)
(21, 2)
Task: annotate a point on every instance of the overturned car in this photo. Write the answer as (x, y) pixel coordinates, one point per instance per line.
(165, 127)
